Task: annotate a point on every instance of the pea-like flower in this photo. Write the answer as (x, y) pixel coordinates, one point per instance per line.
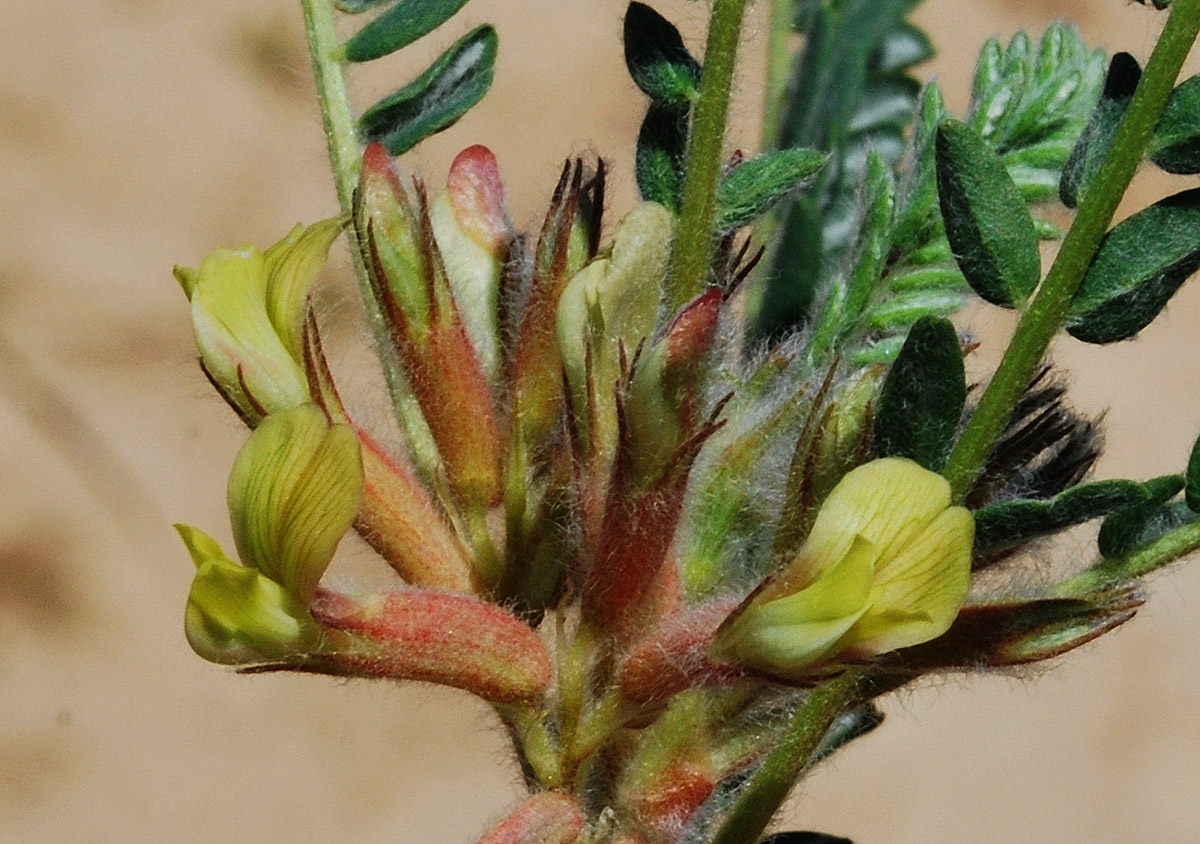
(293, 492)
(887, 565)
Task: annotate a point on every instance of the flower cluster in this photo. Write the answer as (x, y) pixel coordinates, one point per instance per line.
(631, 532)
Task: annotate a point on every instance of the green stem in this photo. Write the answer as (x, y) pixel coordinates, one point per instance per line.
(345, 153)
(345, 160)
(762, 796)
(702, 171)
(1168, 548)
(1045, 314)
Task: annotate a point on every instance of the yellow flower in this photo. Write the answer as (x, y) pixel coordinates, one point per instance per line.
(248, 311)
(887, 565)
(294, 491)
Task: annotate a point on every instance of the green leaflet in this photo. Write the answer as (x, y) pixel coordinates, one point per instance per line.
(1175, 146)
(399, 26)
(923, 396)
(438, 97)
(755, 186)
(353, 7)
(806, 837)
(1127, 528)
(1138, 268)
(657, 59)
(999, 527)
(1031, 104)
(1124, 73)
(661, 144)
(987, 222)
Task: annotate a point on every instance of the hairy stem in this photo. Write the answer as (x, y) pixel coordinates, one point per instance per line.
(1168, 548)
(762, 796)
(345, 161)
(345, 153)
(1045, 314)
(702, 171)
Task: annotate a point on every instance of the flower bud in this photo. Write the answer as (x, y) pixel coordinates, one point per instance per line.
(671, 774)
(426, 327)
(248, 311)
(471, 226)
(547, 818)
(663, 405)
(612, 304)
(886, 566)
(439, 637)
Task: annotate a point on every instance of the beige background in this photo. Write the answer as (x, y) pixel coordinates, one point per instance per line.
(138, 133)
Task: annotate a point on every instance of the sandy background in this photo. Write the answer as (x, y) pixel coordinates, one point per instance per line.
(139, 133)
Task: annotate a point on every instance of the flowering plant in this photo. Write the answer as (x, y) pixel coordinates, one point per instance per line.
(681, 502)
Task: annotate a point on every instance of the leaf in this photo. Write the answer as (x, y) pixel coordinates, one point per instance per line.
(1089, 153)
(755, 186)
(1032, 104)
(987, 222)
(1125, 530)
(901, 49)
(1175, 146)
(1137, 269)
(438, 97)
(999, 527)
(1192, 490)
(353, 7)
(657, 59)
(804, 838)
(660, 149)
(399, 26)
(923, 396)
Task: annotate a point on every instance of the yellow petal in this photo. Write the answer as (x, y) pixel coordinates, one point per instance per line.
(918, 592)
(292, 267)
(787, 636)
(888, 502)
(294, 490)
(237, 616)
(200, 545)
(234, 334)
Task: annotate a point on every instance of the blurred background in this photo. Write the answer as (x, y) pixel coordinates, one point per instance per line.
(135, 134)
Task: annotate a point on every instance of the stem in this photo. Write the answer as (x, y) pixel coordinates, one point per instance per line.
(702, 173)
(345, 160)
(762, 796)
(345, 153)
(1045, 314)
(1166, 549)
